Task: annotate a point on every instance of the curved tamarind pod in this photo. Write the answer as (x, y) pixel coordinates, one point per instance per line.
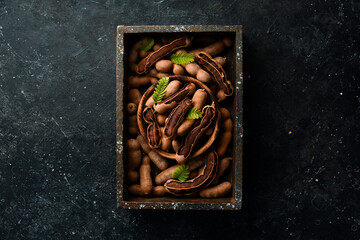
(216, 71)
(153, 130)
(199, 99)
(163, 51)
(198, 183)
(217, 191)
(175, 118)
(140, 81)
(173, 100)
(165, 175)
(157, 159)
(170, 89)
(193, 137)
(223, 165)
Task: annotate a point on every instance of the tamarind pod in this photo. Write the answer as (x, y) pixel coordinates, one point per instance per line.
(164, 65)
(224, 142)
(143, 144)
(216, 191)
(161, 119)
(163, 51)
(216, 71)
(153, 129)
(145, 177)
(226, 136)
(157, 159)
(133, 159)
(203, 76)
(215, 48)
(193, 137)
(175, 118)
(199, 99)
(166, 174)
(175, 99)
(175, 144)
(178, 70)
(157, 191)
(133, 127)
(223, 165)
(170, 89)
(131, 108)
(198, 183)
(140, 81)
(135, 190)
(134, 96)
(192, 68)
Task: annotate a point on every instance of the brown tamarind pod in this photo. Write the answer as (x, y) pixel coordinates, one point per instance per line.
(166, 174)
(134, 54)
(220, 190)
(198, 183)
(223, 165)
(226, 135)
(145, 177)
(214, 48)
(153, 129)
(157, 159)
(165, 142)
(140, 81)
(216, 71)
(175, 99)
(157, 191)
(133, 127)
(176, 144)
(133, 159)
(175, 118)
(192, 138)
(146, 63)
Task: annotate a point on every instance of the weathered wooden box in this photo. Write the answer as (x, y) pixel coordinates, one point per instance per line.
(125, 37)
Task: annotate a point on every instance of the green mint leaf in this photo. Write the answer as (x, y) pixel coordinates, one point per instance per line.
(147, 44)
(181, 173)
(159, 91)
(194, 114)
(182, 58)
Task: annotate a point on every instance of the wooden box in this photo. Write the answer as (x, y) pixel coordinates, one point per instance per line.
(125, 37)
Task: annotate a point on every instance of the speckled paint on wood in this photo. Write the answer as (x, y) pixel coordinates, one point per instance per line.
(230, 203)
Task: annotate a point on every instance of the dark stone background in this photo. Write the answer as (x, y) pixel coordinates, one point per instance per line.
(57, 120)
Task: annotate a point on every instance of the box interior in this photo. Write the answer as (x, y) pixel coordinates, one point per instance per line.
(230, 68)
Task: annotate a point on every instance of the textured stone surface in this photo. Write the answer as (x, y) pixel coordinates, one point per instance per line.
(57, 120)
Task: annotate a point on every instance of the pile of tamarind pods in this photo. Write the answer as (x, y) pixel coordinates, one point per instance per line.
(167, 128)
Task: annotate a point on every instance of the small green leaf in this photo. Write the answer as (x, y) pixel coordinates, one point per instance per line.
(182, 58)
(194, 114)
(159, 91)
(181, 173)
(147, 44)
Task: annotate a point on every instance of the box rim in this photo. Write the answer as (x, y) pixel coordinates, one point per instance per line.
(238, 128)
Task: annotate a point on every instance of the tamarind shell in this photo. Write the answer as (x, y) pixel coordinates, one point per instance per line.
(198, 183)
